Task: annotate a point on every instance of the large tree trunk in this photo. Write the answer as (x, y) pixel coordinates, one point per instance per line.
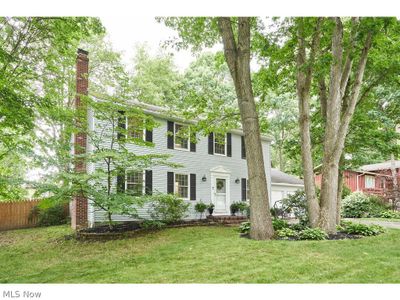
(396, 197)
(340, 191)
(237, 55)
(303, 85)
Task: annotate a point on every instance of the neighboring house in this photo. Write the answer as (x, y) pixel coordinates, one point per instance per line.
(214, 169)
(283, 185)
(373, 179)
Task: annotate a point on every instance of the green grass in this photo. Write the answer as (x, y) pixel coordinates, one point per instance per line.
(196, 254)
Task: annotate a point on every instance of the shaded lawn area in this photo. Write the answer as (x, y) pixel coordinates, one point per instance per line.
(195, 255)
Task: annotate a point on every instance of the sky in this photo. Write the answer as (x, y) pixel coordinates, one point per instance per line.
(125, 32)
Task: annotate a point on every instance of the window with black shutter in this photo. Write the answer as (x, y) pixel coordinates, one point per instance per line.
(192, 142)
(211, 143)
(170, 182)
(170, 135)
(229, 144)
(192, 186)
(244, 189)
(148, 182)
(121, 125)
(121, 182)
(243, 149)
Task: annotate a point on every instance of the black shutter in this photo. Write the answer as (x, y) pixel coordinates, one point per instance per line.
(192, 186)
(121, 182)
(229, 144)
(170, 135)
(192, 143)
(244, 189)
(121, 125)
(243, 148)
(148, 181)
(149, 136)
(211, 143)
(170, 182)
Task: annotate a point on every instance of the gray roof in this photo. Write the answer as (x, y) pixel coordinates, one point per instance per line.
(381, 166)
(278, 176)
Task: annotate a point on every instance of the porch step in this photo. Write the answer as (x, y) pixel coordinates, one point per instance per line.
(226, 219)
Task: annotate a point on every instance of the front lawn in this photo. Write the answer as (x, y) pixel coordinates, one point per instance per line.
(196, 254)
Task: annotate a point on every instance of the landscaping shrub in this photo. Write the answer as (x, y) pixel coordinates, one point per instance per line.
(242, 207)
(210, 208)
(358, 205)
(234, 208)
(200, 207)
(345, 191)
(168, 208)
(362, 229)
(244, 227)
(297, 204)
(279, 224)
(152, 224)
(313, 234)
(297, 227)
(49, 214)
(286, 233)
(389, 214)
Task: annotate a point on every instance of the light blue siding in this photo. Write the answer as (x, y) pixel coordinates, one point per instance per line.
(199, 163)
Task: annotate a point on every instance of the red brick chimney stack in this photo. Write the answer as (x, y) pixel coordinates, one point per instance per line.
(79, 207)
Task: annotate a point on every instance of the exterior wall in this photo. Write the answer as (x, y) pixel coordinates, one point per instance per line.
(199, 163)
(282, 190)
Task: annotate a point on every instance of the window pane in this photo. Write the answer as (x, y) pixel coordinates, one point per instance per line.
(181, 141)
(219, 144)
(182, 185)
(221, 185)
(135, 128)
(134, 183)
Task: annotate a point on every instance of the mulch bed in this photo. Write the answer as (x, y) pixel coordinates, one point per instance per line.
(128, 230)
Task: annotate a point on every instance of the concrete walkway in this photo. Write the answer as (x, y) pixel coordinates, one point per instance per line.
(386, 224)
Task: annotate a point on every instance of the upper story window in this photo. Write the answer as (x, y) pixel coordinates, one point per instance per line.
(181, 140)
(181, 188)
(135, 128)
(369, 182)
(220, 144)
(134, 183)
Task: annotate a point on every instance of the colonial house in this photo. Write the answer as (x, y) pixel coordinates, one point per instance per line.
(214, 169)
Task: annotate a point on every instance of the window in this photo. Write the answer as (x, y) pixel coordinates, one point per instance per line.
(369, 182)
(181, 140)
(247, 190)
(135, 128)
(220, 144)
(181, 188)
(134, 183)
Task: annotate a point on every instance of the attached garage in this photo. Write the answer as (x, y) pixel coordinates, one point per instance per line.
(283, 185)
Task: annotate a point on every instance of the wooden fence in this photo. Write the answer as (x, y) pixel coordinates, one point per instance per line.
(15, 215)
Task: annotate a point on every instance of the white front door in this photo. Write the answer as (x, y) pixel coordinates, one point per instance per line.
(220, 193)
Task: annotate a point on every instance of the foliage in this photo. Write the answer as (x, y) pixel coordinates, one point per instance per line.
(286, 233)
(50, 215)
(210, 208)
(152, 224)
(168, 208)
(244, 227)
(279, 224)
(362, 229)
(200, 207)
(389, 214)
(234, 208)
(297, 204)
(358, 205)
(313, 234)
(345, 191)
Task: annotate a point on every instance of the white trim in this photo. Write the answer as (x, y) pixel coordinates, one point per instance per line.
(223, 175)
(188, 177)
(188, 140)
(287, 184)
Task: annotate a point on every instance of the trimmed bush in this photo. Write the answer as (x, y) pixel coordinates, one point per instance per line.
(279, 224)
(49, 214)
(389, 214)
(152, 224)
(244, 227)
(297, 204)
(200, 207)
(362, 229)
(286, 233)
(313, 234)
(168, 208)
(358, 205)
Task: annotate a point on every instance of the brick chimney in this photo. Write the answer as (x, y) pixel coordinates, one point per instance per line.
(79, 206)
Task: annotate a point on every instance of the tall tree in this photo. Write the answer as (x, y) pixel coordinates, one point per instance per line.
(236, 36)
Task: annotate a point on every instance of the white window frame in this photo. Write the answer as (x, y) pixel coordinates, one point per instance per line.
(178, 146)
(226, 146)
(372, 178)
(127, 129)
(188, 186)
(143, 180)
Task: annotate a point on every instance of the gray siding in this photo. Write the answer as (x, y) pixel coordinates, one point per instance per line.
(199, 163)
